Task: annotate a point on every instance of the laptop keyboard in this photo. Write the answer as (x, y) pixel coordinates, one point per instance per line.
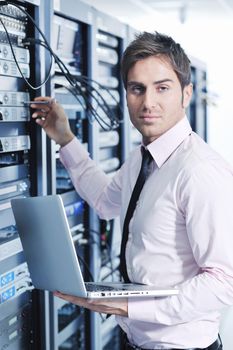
(99, 288)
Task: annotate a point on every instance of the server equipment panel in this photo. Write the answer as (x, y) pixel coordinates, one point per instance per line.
(12, 106)
(113, 339)
(14, 116)
(69, 40)
(197, 111)
(108, 75)
(67, 43)
(17, 65)
(77, 340)
(14, 143)
(14, 275)
(110, 155)
(15, 329)
(109, 40)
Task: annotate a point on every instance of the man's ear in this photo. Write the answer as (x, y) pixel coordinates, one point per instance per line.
(187, 95)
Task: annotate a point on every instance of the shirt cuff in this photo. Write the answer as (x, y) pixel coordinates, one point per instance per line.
(141, 309)
(73, 153)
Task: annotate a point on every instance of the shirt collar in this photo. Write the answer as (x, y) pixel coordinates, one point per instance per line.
(165, 145)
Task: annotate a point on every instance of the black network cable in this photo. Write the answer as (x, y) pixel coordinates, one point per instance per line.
(73, 83)
(93, 241)
(90, 275)
(8, 37)
(84, 81)
(18, 66)
(110, 259)
(105, 89)
(73, 80)
(32, 41)
(108, 250)
(31, 18)
(86, 267)
(90, 109)
(9, 40)
(57, 60)
(77, 84)
(87, 103)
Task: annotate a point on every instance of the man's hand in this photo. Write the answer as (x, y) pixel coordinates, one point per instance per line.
(52, 118)
(106, 306)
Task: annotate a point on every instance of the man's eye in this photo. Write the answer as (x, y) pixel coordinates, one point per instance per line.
(137, 89)
(162, 88)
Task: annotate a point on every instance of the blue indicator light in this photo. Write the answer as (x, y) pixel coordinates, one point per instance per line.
(7, 294)
(7, 278)
(75, 208)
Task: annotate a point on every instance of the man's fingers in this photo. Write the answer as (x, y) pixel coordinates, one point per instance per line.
(92, 304)
(71, 298)
(43, 98)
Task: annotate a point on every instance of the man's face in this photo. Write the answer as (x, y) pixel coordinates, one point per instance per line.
(154, 97)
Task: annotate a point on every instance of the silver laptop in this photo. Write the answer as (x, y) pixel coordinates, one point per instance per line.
(51, 257)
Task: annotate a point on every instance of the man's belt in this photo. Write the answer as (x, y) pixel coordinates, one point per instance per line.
(217, 345)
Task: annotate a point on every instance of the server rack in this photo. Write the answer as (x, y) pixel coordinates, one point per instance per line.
(134, 138)
(197, 111)
(69, 31)
(109, 37)
(105, 147)
(19, 304)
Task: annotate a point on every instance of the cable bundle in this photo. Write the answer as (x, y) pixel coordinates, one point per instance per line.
(85, 90)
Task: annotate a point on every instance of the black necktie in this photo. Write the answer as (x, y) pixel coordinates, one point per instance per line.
(144, 172)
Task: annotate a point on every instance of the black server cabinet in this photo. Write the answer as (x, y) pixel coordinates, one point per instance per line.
(108, 36)
(92, 51)
(134, 138)
(68, 29)
(19, 303)
(197, 111)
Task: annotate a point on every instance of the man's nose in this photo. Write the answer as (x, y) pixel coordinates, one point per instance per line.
(150, 99)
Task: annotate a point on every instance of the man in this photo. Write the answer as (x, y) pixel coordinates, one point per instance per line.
(181, 231)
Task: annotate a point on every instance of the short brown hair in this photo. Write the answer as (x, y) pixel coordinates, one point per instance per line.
(156, 44)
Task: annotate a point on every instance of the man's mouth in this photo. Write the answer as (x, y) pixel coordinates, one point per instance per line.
(149, 116)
